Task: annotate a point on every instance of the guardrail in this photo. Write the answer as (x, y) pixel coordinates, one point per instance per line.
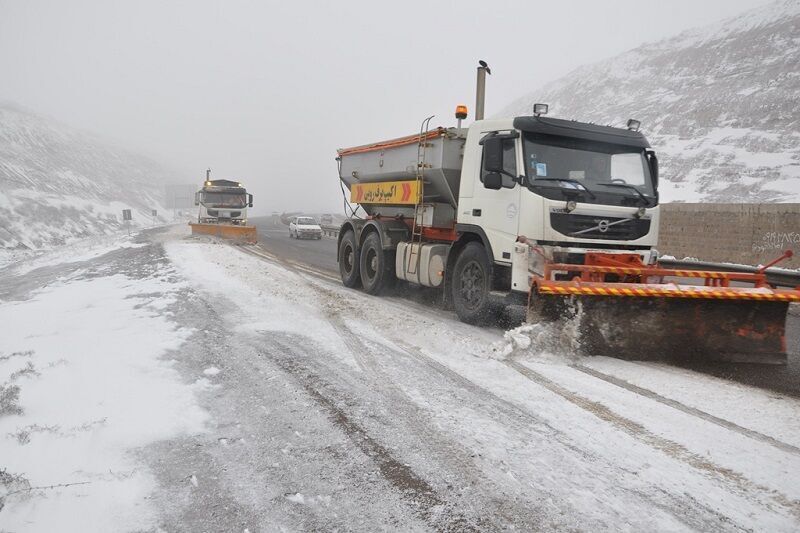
(330, 230)
(775, 276)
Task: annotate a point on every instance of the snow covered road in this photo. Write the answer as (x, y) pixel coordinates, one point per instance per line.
(239, 392)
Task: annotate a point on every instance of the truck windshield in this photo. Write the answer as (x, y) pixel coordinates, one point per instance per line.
(613, 174)
(235, 200)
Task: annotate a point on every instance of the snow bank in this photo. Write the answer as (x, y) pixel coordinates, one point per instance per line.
(23, 261)
(84, 384)
(557, 342)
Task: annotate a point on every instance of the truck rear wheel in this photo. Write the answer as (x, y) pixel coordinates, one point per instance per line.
(471, 284)
(376, 265)
(348, 260)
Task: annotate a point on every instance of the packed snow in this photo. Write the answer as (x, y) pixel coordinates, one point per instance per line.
(85, 382)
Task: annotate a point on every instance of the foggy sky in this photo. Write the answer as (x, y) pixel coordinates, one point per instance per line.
(264, 92)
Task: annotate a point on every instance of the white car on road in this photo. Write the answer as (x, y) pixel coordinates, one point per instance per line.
(304, 228)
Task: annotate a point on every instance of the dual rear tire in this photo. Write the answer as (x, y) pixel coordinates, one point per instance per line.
(370, 267)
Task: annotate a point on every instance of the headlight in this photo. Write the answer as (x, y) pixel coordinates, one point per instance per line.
(571, 205)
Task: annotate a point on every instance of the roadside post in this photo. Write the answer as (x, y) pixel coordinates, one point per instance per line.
(127, 217)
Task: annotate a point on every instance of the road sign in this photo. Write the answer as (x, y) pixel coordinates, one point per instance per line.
(388, 192)
(126, 214)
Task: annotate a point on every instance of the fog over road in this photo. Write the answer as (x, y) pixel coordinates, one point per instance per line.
(319, 254)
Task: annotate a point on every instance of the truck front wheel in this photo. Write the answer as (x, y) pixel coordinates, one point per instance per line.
(471, 284)
(376, 265)
(348, 260)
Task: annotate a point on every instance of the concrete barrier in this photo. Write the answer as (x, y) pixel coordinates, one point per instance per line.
(750, 234)
(330, 230)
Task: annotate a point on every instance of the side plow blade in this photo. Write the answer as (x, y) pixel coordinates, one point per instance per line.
(654, 329)
(642, 312)
(245, 234)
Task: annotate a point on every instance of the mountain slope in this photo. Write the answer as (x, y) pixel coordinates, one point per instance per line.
(719, 103)
(57, 184)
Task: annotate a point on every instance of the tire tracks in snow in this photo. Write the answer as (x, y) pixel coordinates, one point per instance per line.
(708, 417)
(424, 498)
(677, 451)
(685, 508)
(511, 416)
(432, 508)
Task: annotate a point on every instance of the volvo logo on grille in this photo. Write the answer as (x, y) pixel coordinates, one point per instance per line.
(602, 226)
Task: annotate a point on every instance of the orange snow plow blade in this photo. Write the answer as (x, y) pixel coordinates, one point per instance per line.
(243, 234)
(629, 310)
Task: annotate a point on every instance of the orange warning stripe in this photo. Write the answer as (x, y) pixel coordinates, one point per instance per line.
(727, 294)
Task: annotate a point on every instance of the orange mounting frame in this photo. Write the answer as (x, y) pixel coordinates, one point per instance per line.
(633, 278)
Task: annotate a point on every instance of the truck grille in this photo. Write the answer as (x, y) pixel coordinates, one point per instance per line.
(567, 224)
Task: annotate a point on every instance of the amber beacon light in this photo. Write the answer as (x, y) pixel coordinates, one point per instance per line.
(461, 113)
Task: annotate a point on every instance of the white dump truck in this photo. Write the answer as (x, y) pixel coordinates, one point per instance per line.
(222, 210)
(551, 211)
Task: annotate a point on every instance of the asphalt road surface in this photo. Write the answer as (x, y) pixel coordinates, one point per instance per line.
(321, 255)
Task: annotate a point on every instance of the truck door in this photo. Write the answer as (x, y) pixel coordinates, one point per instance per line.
(497, 211)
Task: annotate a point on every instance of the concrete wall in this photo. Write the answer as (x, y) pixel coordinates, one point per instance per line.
(738, 233)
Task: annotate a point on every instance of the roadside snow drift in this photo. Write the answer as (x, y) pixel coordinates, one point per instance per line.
(83, 382)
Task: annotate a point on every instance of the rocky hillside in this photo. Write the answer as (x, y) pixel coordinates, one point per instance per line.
(57, 184)
(721, 104)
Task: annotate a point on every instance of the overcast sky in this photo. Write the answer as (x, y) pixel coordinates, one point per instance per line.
(265, 92)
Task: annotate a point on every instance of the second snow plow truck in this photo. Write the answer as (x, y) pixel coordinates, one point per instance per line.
(223, 210)
(558, 213)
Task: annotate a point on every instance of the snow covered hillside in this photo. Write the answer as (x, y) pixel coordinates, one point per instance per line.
(57, 184)
(719, 103)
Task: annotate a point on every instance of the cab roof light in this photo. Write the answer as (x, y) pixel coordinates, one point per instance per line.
(633, 124)
(540, 109)
(461, 112)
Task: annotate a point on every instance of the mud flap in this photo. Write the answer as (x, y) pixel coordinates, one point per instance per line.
(243, 234)
(673, 329)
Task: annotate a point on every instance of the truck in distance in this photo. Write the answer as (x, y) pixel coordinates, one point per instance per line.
(222, 210)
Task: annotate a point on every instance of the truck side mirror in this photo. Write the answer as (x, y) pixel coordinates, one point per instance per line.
(653, 161)
(249, 200)
(493, 154)
(493, 180)
(197, 198)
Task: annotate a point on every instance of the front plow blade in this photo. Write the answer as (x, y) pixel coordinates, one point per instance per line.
(245, 234)
(631, 310)
(678, 329)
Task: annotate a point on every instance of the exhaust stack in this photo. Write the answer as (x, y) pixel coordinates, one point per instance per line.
(480, 92)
